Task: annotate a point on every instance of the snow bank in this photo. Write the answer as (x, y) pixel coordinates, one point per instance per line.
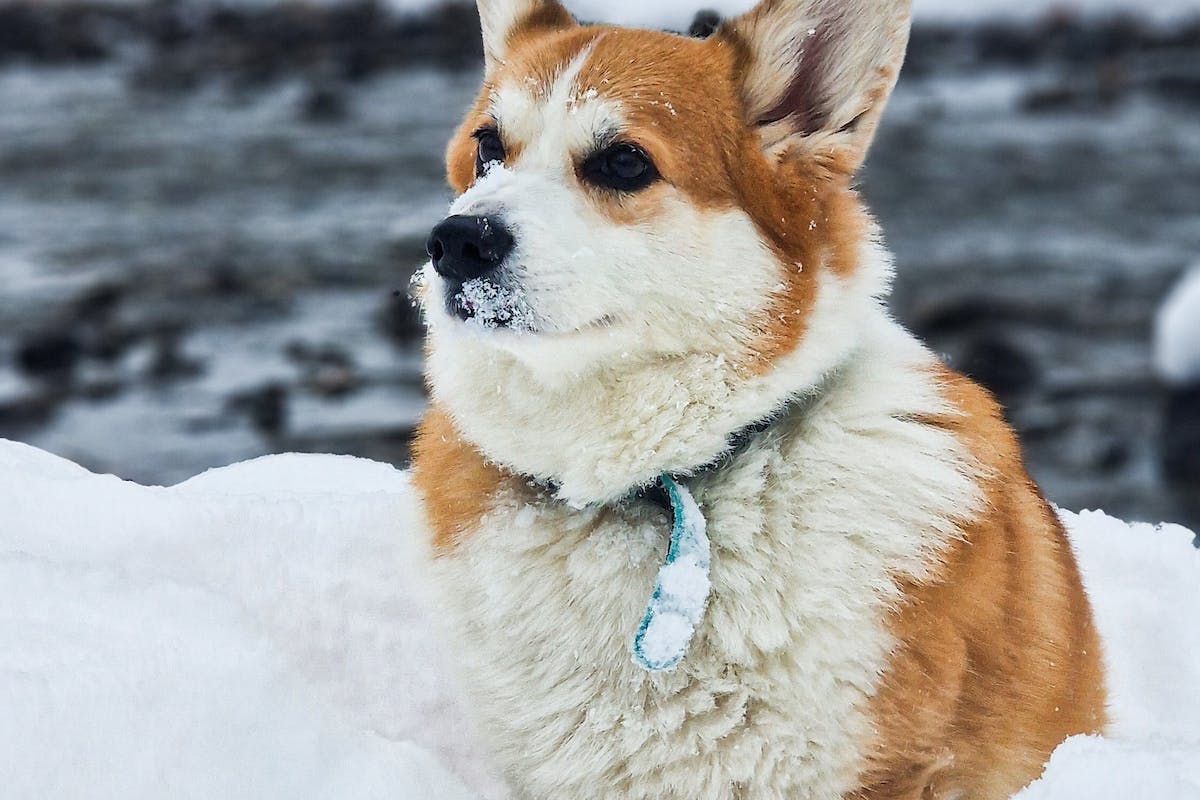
(259, 632)
(1177, 333)
(256, 632)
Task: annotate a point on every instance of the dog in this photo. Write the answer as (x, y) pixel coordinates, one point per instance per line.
(657, 274)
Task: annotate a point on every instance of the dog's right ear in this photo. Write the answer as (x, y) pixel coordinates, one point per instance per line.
(504, 20)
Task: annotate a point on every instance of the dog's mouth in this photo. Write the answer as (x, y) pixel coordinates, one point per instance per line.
(493, 306)
(490, 305)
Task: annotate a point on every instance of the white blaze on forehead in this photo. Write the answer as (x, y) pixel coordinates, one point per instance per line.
(554, 122)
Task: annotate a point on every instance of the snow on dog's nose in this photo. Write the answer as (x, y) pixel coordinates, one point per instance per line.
(464, 248)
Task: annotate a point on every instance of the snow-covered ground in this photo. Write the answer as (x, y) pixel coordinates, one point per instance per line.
(256, 632)
(260, 632)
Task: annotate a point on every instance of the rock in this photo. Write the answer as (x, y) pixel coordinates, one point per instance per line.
(323, 103)
(1100, 91)
(1178, 88)
(955, 316)
(98, 303)
(1180, 437)
(705, 24)
(56, 33)
(28, 411)
(328, 370)
(51, 355)
(168, 361)
(400, 320)
(266, 408)
(1000, 365)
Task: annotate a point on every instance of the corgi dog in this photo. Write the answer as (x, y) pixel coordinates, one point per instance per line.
(657, 272)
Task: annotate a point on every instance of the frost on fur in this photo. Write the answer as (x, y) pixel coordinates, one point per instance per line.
(681, 591)
(491, 306)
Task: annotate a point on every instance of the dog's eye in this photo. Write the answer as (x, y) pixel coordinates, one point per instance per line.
(622, 166)
(489, 150)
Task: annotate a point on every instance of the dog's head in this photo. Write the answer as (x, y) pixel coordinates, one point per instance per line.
(628, 198)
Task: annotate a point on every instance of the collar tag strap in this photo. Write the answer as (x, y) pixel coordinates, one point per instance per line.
(681, 590)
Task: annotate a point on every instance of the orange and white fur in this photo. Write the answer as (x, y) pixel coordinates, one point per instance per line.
(895, 611)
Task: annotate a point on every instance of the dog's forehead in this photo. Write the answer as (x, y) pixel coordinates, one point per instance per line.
(595, 82)
(549, 107)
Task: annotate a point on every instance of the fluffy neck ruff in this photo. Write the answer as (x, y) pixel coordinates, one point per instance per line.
(608, 429)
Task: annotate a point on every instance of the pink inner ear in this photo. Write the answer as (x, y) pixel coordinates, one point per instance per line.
(803, 103)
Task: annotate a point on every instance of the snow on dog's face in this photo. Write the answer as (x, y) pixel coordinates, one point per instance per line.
(630, 193)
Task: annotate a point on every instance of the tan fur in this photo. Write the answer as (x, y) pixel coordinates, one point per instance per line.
(998, 660)
(455, 482)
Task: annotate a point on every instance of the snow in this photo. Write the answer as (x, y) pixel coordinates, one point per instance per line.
(256, 632)
(492, 305)
(1177, 332)
(1144, 583)
(262, 631)
(681, 589)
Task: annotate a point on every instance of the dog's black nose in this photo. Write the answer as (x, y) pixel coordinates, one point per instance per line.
(463, 248)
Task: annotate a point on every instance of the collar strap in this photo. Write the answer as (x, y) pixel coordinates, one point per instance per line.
(736, 443)
(681, 589)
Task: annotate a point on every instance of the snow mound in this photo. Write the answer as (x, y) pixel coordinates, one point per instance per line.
(261, 631)
(256, 632)
(1177, 333)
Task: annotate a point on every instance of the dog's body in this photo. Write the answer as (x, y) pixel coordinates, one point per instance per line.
(671, 252)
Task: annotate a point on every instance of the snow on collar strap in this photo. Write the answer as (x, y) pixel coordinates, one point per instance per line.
(681, 589)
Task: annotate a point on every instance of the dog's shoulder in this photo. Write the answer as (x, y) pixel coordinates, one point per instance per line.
(455, 482)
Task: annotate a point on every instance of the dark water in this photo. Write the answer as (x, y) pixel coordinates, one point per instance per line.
(190, 277)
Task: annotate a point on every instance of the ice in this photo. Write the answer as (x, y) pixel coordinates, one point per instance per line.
(1177, 332)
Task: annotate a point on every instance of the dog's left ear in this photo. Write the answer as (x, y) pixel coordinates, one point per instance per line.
(818, 73)
(502, 20)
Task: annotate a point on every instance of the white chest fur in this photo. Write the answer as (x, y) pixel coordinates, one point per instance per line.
(810, 530)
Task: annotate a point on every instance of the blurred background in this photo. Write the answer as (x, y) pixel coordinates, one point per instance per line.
(207, 209)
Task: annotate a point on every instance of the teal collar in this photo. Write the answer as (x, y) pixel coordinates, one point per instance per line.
(681, 590)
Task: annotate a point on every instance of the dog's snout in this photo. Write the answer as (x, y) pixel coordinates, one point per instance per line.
(463, 247)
